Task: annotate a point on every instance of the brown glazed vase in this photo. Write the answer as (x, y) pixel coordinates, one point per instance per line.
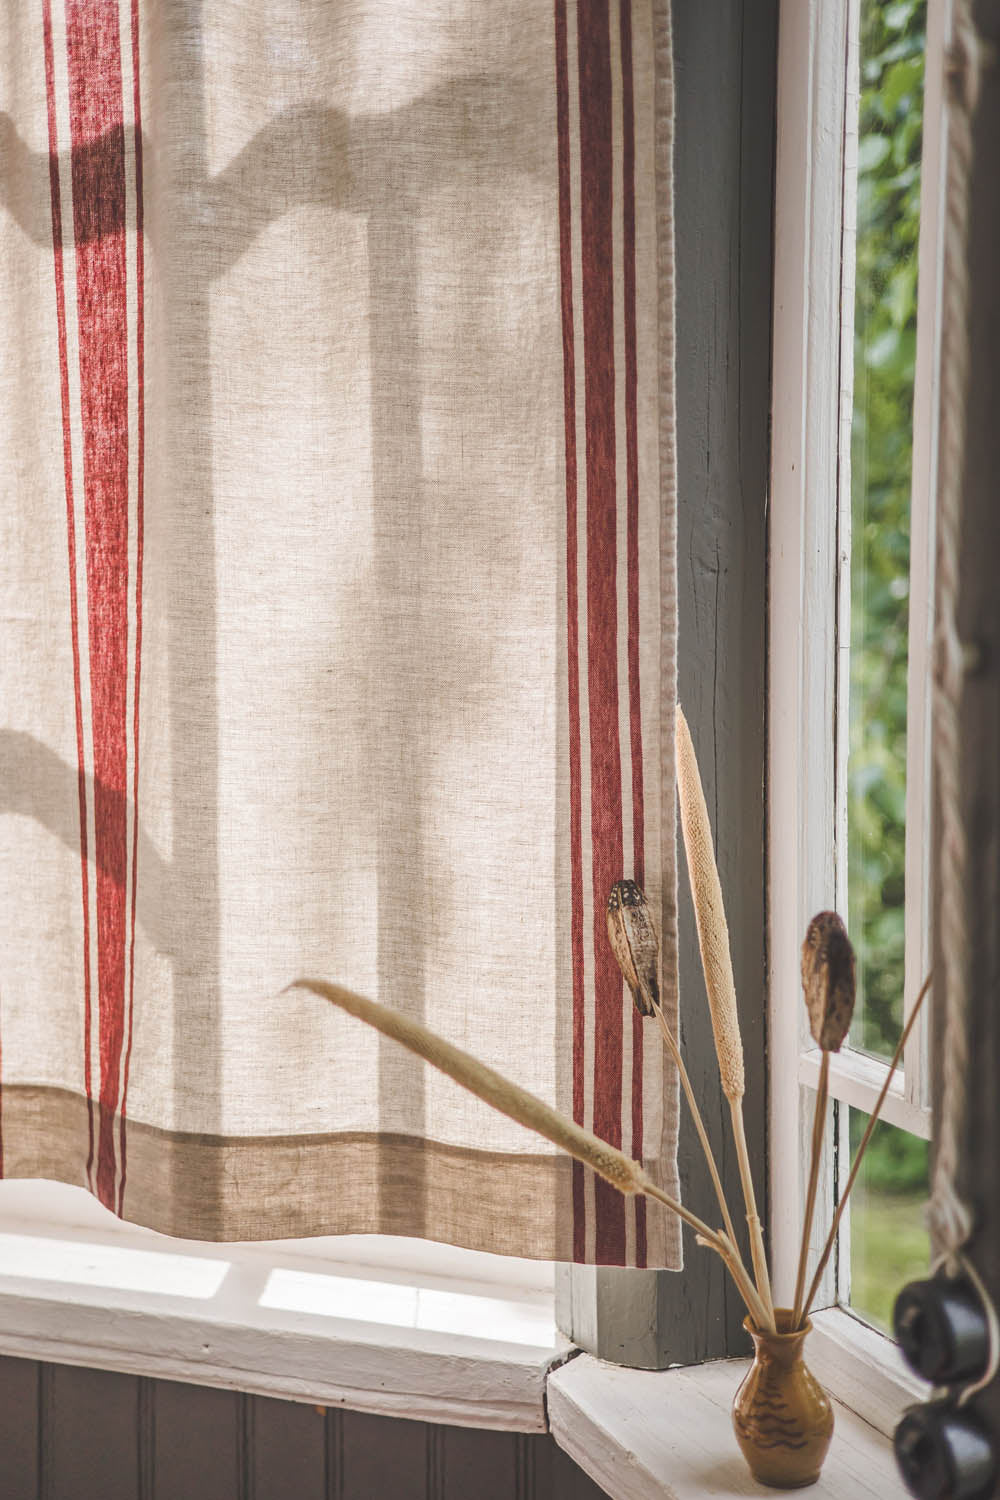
(781, 1414)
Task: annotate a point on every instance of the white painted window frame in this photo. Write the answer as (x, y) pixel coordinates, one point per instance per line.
(809, 639)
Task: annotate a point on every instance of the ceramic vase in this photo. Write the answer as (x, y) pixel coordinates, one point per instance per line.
(782, 1416)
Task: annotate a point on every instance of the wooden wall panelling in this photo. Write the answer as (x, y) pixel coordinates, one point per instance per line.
(483, 1464)
(385, 1456)
(69, 1433)
(286, 1444)
(89, 1434)
(198, 1444)
(19, 1379)
(567, 1480)
(545, 1472)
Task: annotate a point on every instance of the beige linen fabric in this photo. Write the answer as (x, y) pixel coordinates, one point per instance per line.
(339, 612)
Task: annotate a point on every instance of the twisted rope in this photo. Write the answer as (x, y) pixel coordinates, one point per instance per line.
(949, 1215)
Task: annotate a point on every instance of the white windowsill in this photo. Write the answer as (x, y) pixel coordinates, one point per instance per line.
(667, 1435)
(862, 1370)
(409, 1329)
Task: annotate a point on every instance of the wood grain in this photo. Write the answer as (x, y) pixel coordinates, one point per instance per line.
(89, 1440)
(198, 1443)
(19, 1437)
(287, 1449)
(385, 1457)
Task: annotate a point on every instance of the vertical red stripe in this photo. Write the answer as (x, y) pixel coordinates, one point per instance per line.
(572, 608)
(602, 638)
(57, 248)
(139, 516)
(97, 134)
(632, 558)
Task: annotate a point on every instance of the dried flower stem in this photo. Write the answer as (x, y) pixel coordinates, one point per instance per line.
(723, 1245)
(699, 1124)
(753, 1219)
(716, 962)
(511, 1100)
(819, 1122)
(831, 1238)
(636, 945)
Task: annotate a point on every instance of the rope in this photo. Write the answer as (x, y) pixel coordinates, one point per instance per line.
(949, 1215)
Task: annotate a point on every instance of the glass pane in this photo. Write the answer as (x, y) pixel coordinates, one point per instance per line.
(888, 208)
(889, 1242)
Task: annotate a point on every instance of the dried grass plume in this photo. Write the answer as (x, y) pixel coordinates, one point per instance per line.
(710, 914)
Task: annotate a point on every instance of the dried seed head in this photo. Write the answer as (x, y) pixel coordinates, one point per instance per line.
(828, 979)
(636, 946)
(510, 1099)
(710, 914)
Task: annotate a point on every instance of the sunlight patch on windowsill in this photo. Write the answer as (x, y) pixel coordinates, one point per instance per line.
(398, 1306)
(79, 1263)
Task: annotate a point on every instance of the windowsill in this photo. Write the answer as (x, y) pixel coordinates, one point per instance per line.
(862, 1370)
(408, 1329)
(667, 1435)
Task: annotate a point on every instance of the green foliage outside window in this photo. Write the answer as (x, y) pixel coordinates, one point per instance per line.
(888, 1240)
(892, 74)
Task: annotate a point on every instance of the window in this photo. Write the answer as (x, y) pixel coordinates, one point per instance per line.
(885, 1242)
(857, 268)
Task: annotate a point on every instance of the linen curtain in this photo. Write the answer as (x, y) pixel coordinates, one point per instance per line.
(339, 607)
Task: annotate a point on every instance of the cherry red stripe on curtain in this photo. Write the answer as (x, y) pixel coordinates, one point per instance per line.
(632, 534)
(60, 288)
(97, 134)
(572, 610)
(139, 520)
(596, 232)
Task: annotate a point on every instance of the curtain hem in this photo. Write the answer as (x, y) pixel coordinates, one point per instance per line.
(233, 1188)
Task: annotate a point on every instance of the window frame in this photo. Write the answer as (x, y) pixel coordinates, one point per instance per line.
(809, 643)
